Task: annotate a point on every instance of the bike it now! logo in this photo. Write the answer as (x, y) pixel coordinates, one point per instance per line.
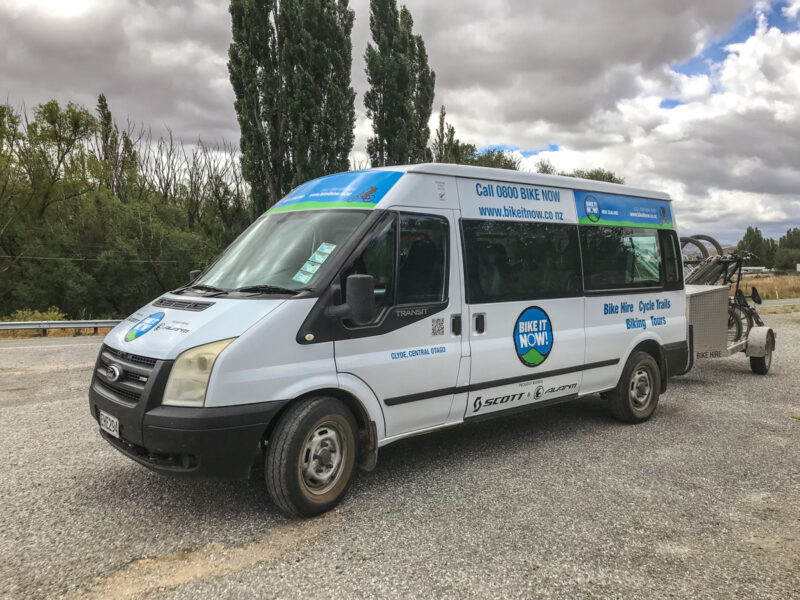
(533, 336)
(592, 207)
(143, 326)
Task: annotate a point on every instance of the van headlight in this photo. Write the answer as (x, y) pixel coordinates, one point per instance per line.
(189, 377)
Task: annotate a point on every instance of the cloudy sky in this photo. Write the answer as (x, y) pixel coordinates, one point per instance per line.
(700, 98)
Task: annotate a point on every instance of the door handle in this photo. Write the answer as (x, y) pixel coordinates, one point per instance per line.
(455, 324)
(480, 323)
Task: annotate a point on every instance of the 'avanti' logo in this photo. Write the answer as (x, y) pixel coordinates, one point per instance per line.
(143, 326)
(533, 336)
(592, 207)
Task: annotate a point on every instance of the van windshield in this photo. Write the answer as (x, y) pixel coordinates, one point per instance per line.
(283, 250)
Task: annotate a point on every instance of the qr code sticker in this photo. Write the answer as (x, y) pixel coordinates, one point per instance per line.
(437, 326)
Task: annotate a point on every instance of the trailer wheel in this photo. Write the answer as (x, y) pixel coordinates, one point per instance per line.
(760, 364)
(311, 457)
(635, 398)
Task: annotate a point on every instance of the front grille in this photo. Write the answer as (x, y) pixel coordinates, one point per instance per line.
(119, 392)
(135, 377)
(142, 360)
(194, 306)
(136, 372)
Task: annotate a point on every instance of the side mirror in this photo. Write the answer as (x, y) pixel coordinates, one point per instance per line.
(360, 305)
(361, 298)
(194, 275)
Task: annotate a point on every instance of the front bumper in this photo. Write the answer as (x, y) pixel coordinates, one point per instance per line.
(194, 442)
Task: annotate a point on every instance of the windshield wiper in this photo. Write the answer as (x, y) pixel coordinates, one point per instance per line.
(202, 288)
(266, 289)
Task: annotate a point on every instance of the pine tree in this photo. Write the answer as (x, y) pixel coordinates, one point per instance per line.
(400, 98)
(289, 65)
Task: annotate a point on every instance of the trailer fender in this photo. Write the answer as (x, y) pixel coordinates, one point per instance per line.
(760, 341)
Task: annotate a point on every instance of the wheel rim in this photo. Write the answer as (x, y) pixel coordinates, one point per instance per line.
(768, 359)
(641, 388)
(323, 455)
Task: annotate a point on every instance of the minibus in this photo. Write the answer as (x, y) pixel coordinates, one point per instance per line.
(367, 307)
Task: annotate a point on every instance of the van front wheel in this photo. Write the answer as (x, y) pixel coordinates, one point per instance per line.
(635, 398)
(311, 457)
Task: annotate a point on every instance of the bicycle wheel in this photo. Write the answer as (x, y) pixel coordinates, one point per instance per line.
(739, 324)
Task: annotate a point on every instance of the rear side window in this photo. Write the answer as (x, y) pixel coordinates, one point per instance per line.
(509, 261)
(620, 258)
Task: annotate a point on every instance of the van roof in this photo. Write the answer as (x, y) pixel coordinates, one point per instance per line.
(507, 175)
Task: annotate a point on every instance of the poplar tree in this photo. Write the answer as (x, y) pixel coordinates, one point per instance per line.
(400, 98)
(318, 57)
(289, 65)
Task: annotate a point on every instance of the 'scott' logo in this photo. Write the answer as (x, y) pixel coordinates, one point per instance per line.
(143, 326)
(592, 206)
(533, 336)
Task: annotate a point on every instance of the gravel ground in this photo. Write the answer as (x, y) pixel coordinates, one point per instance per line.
(700, 502)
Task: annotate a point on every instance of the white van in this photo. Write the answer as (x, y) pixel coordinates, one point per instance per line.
(370, 306)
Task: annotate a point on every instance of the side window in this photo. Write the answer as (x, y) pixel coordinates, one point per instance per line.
(509, 261)
(423, 259)
(670, 250)
(408, 270)
(620, 257)
(378, 260)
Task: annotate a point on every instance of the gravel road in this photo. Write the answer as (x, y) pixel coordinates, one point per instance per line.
(700, 502)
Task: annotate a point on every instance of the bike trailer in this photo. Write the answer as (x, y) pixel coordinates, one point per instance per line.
(716, 332)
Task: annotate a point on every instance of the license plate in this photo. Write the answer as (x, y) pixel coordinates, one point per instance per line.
(109, 424)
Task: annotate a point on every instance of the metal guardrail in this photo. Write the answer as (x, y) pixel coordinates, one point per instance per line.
(44, 326)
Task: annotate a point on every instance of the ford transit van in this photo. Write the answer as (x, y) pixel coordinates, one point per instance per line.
(366, 307)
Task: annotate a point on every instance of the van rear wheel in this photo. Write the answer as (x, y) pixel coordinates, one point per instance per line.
(311, 457)
(635, 398)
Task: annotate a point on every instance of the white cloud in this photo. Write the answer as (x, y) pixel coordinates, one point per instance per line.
(792, 9)
(729, 158)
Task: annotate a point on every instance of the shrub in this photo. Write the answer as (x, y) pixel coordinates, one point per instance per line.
(27, 314)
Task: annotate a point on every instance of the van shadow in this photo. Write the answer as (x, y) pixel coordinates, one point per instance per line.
(171, 500)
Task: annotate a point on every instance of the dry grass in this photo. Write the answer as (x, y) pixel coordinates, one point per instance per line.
(778, 310)
(37, 333)
(773, 287)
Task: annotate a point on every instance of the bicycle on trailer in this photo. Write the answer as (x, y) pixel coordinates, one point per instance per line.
(726, 269)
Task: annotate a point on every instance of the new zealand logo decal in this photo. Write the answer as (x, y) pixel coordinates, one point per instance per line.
(143, 326)
(592, 207)
(533, 336)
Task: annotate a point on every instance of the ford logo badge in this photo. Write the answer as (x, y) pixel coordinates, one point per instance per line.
(113, 373)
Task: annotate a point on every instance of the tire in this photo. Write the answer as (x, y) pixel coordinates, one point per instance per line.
(734, 325)
(311, 457)
(710, 240)
(740, 322)
(760, 364)
(635, 398)
(690, 241)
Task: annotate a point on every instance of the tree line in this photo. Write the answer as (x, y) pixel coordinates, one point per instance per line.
(782, 255)
(96, 219)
